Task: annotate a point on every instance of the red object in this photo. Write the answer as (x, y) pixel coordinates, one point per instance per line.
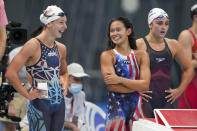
(194, 48)
(188, 99)
(178, 119)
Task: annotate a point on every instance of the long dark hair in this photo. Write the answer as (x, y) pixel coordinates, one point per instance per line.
(131, 37)
(37, 31)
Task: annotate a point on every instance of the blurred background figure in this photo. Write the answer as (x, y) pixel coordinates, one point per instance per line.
(188, 39)
(75, 99)
(3, 37)
(162, 51)
(3, 23)
(18, 106)
(23, 124)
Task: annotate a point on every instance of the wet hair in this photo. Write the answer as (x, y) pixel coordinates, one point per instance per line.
(193, 11)
(37, 31)
(131, 37)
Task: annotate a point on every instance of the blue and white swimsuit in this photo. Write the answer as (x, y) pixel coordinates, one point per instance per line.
(47, 114)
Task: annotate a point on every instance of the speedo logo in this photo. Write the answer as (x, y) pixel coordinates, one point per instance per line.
(160, 59)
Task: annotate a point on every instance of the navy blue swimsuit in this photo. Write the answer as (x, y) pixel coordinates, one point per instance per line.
(47, 114)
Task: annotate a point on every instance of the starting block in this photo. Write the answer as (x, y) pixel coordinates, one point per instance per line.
(177, 118)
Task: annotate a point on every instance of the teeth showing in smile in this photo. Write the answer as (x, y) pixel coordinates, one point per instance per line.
(61, 31)
(116, 38)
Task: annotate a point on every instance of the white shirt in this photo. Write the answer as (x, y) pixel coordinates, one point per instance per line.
(24, 122)
(78, 108)
(21, 73)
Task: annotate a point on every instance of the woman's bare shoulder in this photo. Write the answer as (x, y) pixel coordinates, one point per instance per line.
(107, 53)
(140, 52)
(185, 33)
(62, 48)
(172, 42)
(140, 40)
(173, 45)
(140, 44)
(31, 45)
(60, 45)
(141, 55)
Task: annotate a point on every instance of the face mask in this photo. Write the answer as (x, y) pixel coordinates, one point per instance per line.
(75, 88)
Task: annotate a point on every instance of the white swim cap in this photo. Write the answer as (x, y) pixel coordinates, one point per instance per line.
(193, 11)
(50, 14)
(194, 7)
(156, 13)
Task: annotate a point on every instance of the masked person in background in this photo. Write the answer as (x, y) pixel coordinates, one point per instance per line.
(75, 99)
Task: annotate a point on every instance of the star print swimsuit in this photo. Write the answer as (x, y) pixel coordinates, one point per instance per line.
(121, 106)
